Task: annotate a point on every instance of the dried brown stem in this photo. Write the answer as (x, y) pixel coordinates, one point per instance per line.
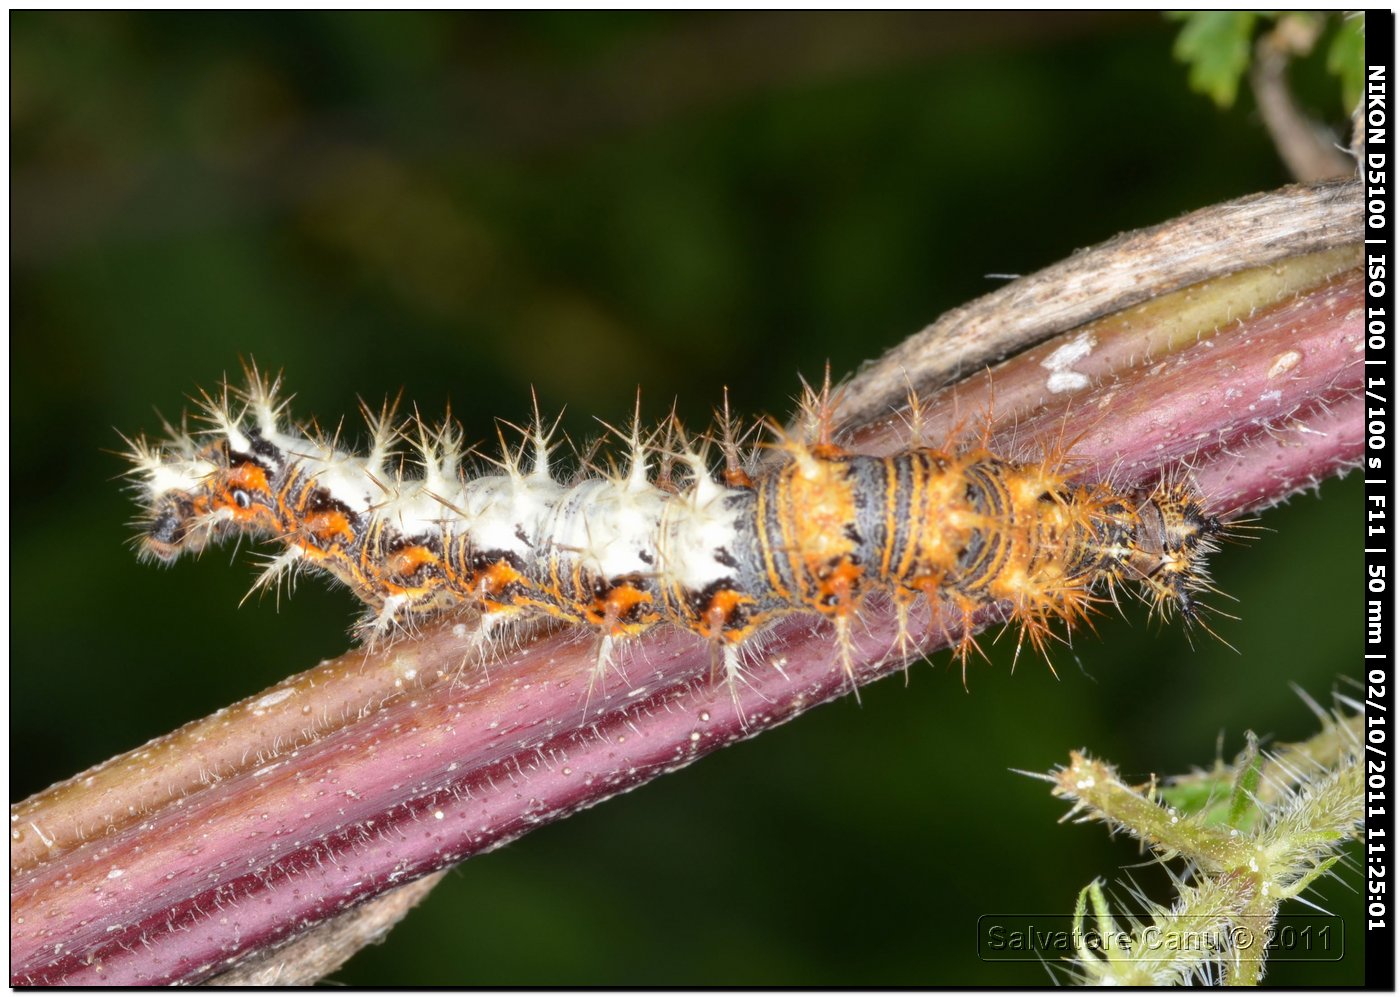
(1306, 146)
(1135, 267)
(318, 953)
(236, 833)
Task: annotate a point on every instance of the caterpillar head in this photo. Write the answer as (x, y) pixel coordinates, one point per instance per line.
(194, 496)
(197, 488)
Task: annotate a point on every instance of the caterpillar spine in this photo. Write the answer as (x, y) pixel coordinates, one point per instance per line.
(664, 540)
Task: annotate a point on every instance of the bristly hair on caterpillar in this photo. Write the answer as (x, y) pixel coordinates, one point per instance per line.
(658, 537)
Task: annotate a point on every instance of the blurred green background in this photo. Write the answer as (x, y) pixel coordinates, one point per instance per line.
(467, 205)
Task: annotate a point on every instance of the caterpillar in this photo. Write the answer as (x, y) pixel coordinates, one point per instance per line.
(659, 537)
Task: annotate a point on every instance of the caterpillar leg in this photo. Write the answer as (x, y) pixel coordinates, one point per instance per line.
(845, 650)
(1035, 629)
(383, 624)
(602, 661)
(727, 666)
(280, 567)
(963, 609)
(904, 646)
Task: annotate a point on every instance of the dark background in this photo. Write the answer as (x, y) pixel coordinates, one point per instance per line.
(465, 206)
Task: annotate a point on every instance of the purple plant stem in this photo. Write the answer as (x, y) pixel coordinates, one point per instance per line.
(462, 766)
(295, 712)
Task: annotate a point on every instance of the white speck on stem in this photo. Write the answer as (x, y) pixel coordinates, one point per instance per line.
(1059, 364)
(1283, 363)
(270, 700)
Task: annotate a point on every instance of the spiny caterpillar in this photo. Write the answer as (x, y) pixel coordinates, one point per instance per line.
(664, 539)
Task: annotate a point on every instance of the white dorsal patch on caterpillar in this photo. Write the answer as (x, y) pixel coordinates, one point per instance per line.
(662, 539)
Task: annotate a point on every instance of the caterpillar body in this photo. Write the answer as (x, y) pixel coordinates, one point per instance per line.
(663, 539)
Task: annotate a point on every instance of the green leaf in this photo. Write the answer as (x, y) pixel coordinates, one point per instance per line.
(1347, 59)
(1246, 784)
(1206, 795)
(1215, 44)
